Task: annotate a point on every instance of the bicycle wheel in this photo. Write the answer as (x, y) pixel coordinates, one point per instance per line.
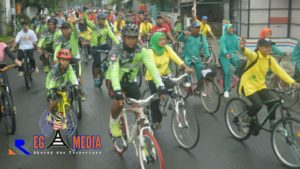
(234, 110)
(185, 127)
(76, 103)
(210, 96)
(9, 114)
(285, 139)
(120, 144)
(85, 55)
(27, 73)
(150, 154)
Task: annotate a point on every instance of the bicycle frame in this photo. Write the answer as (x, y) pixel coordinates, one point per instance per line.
(63, 102)
(141, 124)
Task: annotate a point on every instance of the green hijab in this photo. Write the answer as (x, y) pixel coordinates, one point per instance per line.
(158, 50)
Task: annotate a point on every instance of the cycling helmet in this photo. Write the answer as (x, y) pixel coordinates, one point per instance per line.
(64, 54)
(52, 20)
(130, 30)
(101, 16)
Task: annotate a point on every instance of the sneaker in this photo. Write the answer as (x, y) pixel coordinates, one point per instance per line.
(245, 123)
(83, 98)
(46, 69)
(96, 82)
(115, 129)
(187, 84)
(203, 94)
(20, 74)
(226, 94)
(90, 57)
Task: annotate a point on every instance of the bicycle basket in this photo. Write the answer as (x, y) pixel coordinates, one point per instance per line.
(209, 71)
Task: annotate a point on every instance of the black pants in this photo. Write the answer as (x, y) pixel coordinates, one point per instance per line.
(97, 55)
(154, 106)
(260, 98)
(29, 53)
(131, 90)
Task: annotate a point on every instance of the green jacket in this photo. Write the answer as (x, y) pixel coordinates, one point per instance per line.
(122, 63)
(100, 35)
(48, 38)
(71, 43)
(296, 53)
(56, 78)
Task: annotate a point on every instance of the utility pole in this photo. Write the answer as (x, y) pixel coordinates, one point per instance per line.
(2, 17)
(13, 13)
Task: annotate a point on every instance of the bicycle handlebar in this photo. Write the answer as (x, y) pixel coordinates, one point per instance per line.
(143, 102)
(178, 80)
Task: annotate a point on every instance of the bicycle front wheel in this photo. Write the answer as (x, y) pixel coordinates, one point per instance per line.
(210, 96)
(76, 104)
(150, 154)
(235, 109)
(185, 128)
(9, 115)
(285, 139)
(27, 74)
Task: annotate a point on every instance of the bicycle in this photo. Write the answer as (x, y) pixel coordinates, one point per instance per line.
(103, 66)
(85, 44)
(27, 68)
(77, 93)
(8, 110)
(64, 118)
(207, 88)
(139, 134)
(236, 108)
(273, 81)
(184, 123)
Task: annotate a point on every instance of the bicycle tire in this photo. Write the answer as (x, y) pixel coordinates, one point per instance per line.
(139, 78)
(9, 114)
(155, 151)
(287, 140)
(27, 74)
(122, 147)
(85, 53)
(229, 110)
(210, 88)
(178, 121)
(76, 104)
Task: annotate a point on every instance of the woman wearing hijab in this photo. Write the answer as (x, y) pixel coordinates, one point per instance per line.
(162, 54)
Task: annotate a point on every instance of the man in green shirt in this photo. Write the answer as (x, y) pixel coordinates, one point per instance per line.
(100, 34)
(125, 62)
(46, 43)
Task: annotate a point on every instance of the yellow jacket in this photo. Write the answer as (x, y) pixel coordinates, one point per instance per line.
(145, 28)
(253, 80)
(116, 30)
(87, 35)
(162, 62)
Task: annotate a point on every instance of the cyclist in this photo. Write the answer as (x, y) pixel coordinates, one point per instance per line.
(70, 40)
(119, 25)
(205, 28)
(4, 50)
(85, 35)
(125, 62)
(162, 54)
(229, 44)
(60, 75)
(42, 27)
(178, 26)
(267, 33)
(194, 42)
(100, 34)
(161, 27)
(145, 29)
(252, 83)
(46, 43)
(296, 58)
(26, 39)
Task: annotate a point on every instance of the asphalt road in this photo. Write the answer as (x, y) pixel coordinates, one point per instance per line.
(216, 148)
